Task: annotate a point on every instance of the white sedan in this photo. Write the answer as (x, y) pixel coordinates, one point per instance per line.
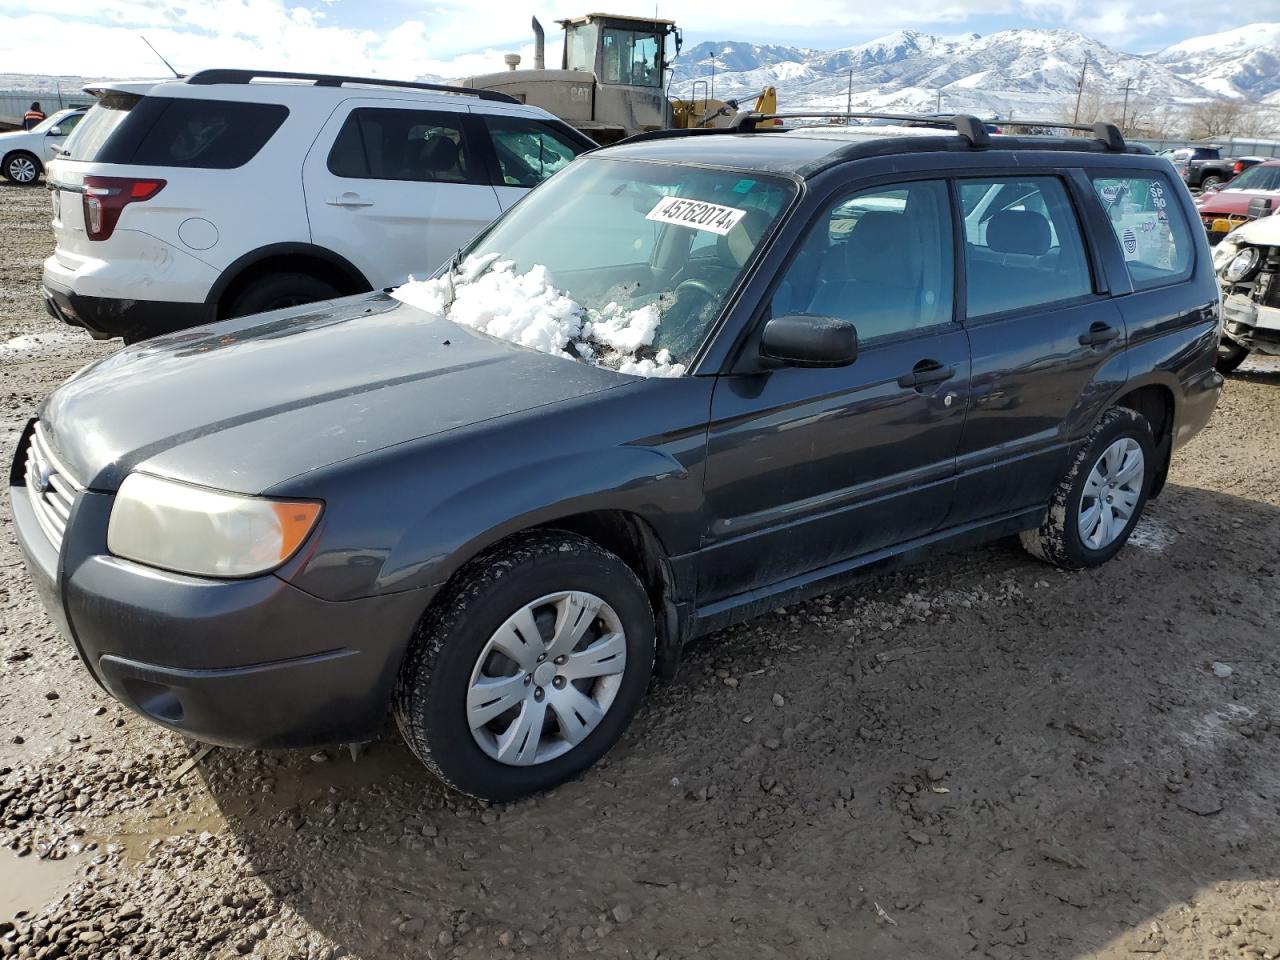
(24, 153)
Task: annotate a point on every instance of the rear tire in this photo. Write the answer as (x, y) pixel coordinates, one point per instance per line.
(22, 168)
(465, 706)
(1210, 183)
(1230, 356)
(1100, 499)
(277, 291)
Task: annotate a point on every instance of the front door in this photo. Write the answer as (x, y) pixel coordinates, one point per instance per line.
(810, 467)
(526, 150)
(397, 188)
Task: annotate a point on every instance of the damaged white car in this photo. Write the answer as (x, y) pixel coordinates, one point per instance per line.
(1248, 267)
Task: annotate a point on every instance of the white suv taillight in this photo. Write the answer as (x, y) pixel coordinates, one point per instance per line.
(106, 197)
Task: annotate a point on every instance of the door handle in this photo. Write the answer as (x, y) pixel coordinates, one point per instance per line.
(349, 200)
(926, 372)
(1099, 333)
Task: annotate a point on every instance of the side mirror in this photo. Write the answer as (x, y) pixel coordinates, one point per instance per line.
(55, 131)
(808, 341)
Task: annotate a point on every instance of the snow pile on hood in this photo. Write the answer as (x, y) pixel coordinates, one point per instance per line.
(526, 308)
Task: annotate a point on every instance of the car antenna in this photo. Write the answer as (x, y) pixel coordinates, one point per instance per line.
(162, 59)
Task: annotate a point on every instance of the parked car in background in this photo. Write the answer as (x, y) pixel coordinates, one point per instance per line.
(1248, 264)
(231, 192)
(1202, 168)
(24, 154)
(460, 502)
(1221, 211)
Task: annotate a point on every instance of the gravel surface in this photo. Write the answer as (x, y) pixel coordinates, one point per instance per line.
(980, 755)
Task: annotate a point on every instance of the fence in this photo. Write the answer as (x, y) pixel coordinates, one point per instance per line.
(14, 103)
(1230, 146)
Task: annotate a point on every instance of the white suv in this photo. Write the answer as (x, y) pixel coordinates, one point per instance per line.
(235, 191)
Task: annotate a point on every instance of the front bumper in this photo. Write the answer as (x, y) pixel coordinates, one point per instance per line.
(252, 663)
(1250, 324)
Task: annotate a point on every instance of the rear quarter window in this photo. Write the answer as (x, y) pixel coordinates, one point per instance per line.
(1149, 226)
(204, 134)
(99, 124)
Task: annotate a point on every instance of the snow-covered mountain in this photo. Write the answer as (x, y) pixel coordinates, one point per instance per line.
(1236, 63)
(1016, 72)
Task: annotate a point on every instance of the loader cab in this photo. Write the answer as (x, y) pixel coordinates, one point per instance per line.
(625, 51)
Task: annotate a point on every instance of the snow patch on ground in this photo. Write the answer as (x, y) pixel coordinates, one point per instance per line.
(1152, 534)
(35, 342)
(526, 308)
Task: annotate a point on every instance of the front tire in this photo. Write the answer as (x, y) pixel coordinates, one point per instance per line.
(1099, 500)
(22, 168)
(1230, 356)
(529, 667)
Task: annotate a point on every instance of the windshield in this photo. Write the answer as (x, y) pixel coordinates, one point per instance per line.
(631, 57)
(1257, 178)
(622, 263)
(103, 117)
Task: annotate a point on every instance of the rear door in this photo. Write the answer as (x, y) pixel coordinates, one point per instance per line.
(1046, 340)
(396, 187)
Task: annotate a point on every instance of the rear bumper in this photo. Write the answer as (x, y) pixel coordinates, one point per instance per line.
(106, 317)
(252, 663)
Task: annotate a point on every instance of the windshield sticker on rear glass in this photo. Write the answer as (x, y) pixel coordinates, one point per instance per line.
(697, 214)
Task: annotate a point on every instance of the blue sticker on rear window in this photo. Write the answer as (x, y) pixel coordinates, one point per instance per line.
(743, 186)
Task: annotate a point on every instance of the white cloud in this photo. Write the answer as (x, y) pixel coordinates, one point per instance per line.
(70, 36)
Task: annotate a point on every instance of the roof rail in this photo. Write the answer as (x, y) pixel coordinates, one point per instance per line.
(1107, 133)
(969, 127)
(206, 77)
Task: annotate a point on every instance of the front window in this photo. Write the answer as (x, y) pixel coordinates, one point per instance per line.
(1257, 178)
(625, 264)
(580, 47)
(631, 57)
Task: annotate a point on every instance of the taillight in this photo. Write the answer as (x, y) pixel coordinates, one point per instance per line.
(105, 197)
(1237, 166)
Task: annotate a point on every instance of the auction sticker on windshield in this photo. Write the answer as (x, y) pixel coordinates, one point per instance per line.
(697, 214)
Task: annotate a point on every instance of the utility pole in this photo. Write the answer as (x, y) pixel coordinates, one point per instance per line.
(1080, 89)
(939, 110)
(848, 103)
(713, 76)
(1124, 113)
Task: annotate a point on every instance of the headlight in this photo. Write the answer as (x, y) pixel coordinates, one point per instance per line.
(1242, 264)
(176, 526)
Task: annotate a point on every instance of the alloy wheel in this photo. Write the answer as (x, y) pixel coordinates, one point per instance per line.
(546, 678)
(1111, 493)
(22, 169)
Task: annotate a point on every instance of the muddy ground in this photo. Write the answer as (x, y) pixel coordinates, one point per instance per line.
(982, 755)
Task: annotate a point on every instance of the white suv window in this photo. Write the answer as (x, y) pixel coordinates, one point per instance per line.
(377, 143)
(528, 150)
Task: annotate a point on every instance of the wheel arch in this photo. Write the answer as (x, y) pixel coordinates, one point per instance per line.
(632, 539)
(316, 261)
(22, 151)
(1156, 400)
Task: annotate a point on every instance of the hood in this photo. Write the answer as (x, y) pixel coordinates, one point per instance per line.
(1262, 232)
(1231, 201)
(10, 135)
(246, 404)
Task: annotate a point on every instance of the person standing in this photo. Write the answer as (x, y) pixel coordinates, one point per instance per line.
(32, 116)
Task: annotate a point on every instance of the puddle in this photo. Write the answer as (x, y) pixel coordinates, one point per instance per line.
(29, 883)
(35, 342)
(1152, 534)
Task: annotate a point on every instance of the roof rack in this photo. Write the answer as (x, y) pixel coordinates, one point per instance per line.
(969, 127)
(206, 77)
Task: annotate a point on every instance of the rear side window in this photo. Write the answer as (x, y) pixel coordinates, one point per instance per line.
(99, 123)
(1150, 227)
(529, 151)
(205, 134)
(376, 143)
(1023, 247)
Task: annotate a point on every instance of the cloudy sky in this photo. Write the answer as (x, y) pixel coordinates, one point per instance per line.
(401, 38)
